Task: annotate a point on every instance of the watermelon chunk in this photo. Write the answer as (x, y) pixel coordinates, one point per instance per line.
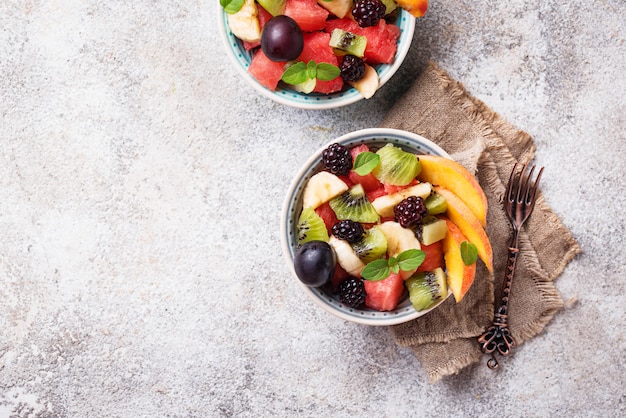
(385, 294)
(382, 39)
(328, 215)
(309, 15)
(338, 276)
(316, 48)
(368, 181)
(434, 256)
(266, 71)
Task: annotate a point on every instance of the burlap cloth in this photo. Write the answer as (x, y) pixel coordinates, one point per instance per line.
(445, 340)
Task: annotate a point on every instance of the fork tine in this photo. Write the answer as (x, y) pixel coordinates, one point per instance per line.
(527, 187)
(533, 192)
(509, 190)
(521, 184)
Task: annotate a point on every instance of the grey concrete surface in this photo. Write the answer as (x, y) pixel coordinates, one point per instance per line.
(141, 182)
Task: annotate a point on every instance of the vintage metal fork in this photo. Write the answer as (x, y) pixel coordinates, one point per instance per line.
(519, 204)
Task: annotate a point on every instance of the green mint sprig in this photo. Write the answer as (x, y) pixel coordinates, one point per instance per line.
(307, 73)
(469, 253)
(380, 269)
(232, 6)
(365, 162)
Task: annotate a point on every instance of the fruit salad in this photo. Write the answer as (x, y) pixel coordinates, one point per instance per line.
(378, 225)
(319, 46)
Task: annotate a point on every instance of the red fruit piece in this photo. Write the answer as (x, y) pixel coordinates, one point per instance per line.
(339, 276)
(266, 71)
(316, 48)
(355, 151)
(382, 39)
(346, 179)
(328, 215)
(368, 181)
(384, 295)
(309, 15)
(434, 256)
(376, 193)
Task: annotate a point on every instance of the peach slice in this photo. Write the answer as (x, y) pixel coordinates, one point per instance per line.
(460, 275)
(464, 218)
(453, 176)
(417, 8)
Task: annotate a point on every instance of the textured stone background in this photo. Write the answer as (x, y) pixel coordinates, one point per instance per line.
(140, 187)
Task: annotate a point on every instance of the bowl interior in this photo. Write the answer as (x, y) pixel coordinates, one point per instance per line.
(242, 58)
(374, 138)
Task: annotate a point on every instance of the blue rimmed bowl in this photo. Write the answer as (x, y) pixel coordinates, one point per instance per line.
(292, 206)
(242, 58)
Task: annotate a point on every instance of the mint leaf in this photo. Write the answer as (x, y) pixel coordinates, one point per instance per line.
(311, 69)
(365, 162)
(469, 253)
(295, 74)
(411, 259)
(327, 71)
(376, 271)
(232, 6)
(301, 72)
(380, 269)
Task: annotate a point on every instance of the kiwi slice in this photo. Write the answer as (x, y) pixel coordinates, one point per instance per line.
(435, 203)
(372, 246)
(354, 205)
(397, 167)
(427, 288)
(311, 227)
(433, 229)
(345, 42)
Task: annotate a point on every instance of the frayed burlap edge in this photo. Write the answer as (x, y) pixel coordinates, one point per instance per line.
(504, 143)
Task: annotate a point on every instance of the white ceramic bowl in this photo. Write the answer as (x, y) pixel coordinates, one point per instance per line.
(242, 58)
(375, 137)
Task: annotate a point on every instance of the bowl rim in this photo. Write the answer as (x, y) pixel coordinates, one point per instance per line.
(312, 101)
(319, 297)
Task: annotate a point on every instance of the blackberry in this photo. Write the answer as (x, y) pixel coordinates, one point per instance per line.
(352, 292)
(368, 12)
(410, 211)
(352, 68)
(348, 230)
(337, 159)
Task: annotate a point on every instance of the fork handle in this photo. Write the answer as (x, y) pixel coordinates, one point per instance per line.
(497, 337)
(501, 313)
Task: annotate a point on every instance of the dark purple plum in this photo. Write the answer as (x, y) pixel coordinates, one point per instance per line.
(315, 263)
(281, 39)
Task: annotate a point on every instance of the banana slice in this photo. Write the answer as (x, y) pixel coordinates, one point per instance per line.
(321, 188)
(384, 204)
(346, 257)
(245, 23)
(399, 239)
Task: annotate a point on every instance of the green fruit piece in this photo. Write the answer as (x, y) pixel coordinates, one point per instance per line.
(274, 7)
(390, 6)
(372, 246)
(354, 205)
(433, 229)
(305, 87)
(345, 42)
(427, 288)
(340, 8)
(311, 227)
(435, 203)
(397, 167)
